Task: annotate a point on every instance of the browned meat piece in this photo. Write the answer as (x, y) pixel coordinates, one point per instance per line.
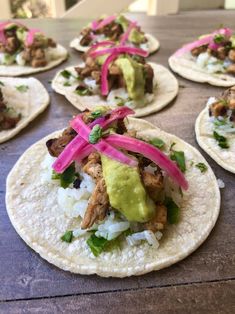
(229, 93)
(85, 31)
(222, 53)
(86, 72)
(218, 109)
(196, 51)
(51, 43)
(93, 166)
(231, 55)
(86, 40)
(231, 104)
(36, 63)
(97, 207)
(12, 44)
(55, 146)
(153, 183)
(27, 54)
(39, 53)
(159, 220)
(148, 78)
(96, 75)
(231, 69)
(114, 70)
(7, 121)
(90, 62)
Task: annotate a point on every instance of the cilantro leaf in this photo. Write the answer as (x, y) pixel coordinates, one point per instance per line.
(95, 134)
(157, 142)
(67, 236)
(201, 166)
(178, 156)
(98, 113)
(82, 91)
(66, 74)
(67, 84)
(67, 177)
(218, 38)
(96, 245)
(222, 141)
(173, 210)
(22, 88)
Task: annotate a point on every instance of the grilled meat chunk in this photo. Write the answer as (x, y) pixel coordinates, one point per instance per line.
(149, 74)
(231, 68)
(93, 166)
(8, 118)
(153, 183)
(97, 207)
(218, 109)
(231, 55)
(196, 51)
(159, 220)
(55, 146)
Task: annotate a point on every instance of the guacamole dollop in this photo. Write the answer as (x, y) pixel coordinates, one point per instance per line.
(135, 36)
(126, 191)
(134, 77)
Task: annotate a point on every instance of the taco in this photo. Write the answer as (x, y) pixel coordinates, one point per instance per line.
(211, 59)
(113, 196)
(215, 129)
(24, 51)
(117, 76)
(18, 104)
(117, 29)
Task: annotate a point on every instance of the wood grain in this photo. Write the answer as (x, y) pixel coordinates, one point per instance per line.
(24, 275)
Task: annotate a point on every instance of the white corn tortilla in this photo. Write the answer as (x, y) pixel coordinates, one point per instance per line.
(30, 103)
(165, 91)
(18, 70)
(154, 44)
(34, 212)
(204, 134)
(186, 67)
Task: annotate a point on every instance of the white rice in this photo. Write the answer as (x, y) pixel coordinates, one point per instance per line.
(147, 235)
(210, 63)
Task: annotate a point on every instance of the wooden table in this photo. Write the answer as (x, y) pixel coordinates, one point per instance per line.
(202, 283)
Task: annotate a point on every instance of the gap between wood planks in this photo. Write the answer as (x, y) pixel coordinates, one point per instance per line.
(120, 290)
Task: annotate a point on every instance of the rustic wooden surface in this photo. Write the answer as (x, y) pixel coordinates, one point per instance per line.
(202, 283)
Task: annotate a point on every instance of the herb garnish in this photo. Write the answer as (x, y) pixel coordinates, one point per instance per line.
(95, 134)
(67, 236)
(67, 177)
(222, 141)
(67, 84)
(178, 156)
(157, 142)
(83, 91)
(98, 113)
(202, 167)
(218, 38)
(66, 74)
(172, 210)
(98, 244)
(22, 88)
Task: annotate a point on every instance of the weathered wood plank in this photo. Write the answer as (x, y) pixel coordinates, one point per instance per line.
(24, 274)
(217, 298)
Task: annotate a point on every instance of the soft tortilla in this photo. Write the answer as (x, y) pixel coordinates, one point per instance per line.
(17, 70)
(186, 67)
(165, 91)
(204, 134)
(154, 44)
(34, 212)
(30, 103)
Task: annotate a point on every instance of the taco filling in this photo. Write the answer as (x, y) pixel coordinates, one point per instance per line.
(116, 29)
(23, 46)
(222, 116)
(122, 188)
(119, 75)
(8, 116)
(214, 53)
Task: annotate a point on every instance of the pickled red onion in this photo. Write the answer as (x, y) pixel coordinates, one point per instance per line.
(125, 36)
(104, 74)
(101, 146)
(120, 50)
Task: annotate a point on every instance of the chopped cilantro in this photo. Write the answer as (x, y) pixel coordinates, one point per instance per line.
(67, 237)
(201, 166)
(67, 84)
(1, 83)
(97, 245)
(157, 142)
(178, 156)
(83, 91)
(172, 210)
(218, 38)
(98, 113)
(22, 88)
(222, 141)
(120, 101)
(67, 177)
(95, 134)
(66, 74)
